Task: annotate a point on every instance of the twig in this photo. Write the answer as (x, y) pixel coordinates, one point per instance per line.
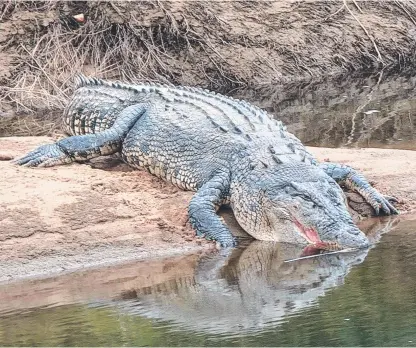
(356, 5)
(380, 59)
(405, 11)
(349, 250)
(335, 13)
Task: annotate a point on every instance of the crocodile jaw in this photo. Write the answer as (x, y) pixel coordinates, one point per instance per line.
(312, 237)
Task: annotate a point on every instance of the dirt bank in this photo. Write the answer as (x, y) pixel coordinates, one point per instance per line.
(71, 216)
(68, 217)
(220, 45)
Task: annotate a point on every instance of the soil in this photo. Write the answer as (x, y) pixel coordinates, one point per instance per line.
(71, 216)
(81, 215)
(222, 45)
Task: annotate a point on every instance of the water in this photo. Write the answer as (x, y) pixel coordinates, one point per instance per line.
(249, 297)
(377, 111)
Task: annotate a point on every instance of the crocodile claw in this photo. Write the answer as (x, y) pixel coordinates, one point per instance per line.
(44, 156)
(391, 199)
(381, 204)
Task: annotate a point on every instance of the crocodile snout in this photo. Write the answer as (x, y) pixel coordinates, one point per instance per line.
(354, 238)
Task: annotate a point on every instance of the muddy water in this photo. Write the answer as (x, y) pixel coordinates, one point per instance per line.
(375, 111)
(252, 296)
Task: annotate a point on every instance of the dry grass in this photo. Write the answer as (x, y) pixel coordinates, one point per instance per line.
(29, 125)
(127, 50)
(174, 42)
(123, 50)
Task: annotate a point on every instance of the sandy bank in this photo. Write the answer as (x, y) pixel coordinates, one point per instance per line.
(69, 217)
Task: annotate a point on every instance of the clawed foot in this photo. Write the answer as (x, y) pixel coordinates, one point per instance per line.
(383, 205)
(44, 156)
(221, 243)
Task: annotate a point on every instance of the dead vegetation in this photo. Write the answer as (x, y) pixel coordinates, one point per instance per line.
(220, 45)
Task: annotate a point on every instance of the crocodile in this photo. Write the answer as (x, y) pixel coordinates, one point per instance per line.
(226, 150)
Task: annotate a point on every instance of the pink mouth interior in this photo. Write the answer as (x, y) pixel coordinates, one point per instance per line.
(310, 234)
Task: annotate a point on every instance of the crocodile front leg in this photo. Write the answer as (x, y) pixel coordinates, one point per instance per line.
(345, 175)
(84, 147)
(202, 211)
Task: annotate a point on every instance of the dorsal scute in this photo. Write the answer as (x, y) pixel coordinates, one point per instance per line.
(80, 80)
(251, 113)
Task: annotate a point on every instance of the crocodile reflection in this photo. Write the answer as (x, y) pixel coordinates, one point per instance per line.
(247, 290)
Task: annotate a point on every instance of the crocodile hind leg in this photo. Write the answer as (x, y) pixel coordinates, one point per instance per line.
(202, 212)
(84, 147)
(345, 175)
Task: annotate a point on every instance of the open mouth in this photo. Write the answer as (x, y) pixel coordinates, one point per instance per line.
(312, 237)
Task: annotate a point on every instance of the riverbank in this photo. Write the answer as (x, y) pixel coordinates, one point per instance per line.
(222, 46)
(65, 218)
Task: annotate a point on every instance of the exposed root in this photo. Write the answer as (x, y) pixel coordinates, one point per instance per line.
(209, 44)
(380, 58)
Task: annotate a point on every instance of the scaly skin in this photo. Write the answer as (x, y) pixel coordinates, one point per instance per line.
(226, 150)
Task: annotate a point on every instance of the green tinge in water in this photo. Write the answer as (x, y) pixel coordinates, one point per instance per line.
(248, 297)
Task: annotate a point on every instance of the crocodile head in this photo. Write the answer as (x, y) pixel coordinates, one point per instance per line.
(297, 203)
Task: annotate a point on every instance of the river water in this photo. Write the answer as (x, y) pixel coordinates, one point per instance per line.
(261, 294)
(376, 111)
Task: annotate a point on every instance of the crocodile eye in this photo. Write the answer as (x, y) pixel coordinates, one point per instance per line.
(304, 197)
